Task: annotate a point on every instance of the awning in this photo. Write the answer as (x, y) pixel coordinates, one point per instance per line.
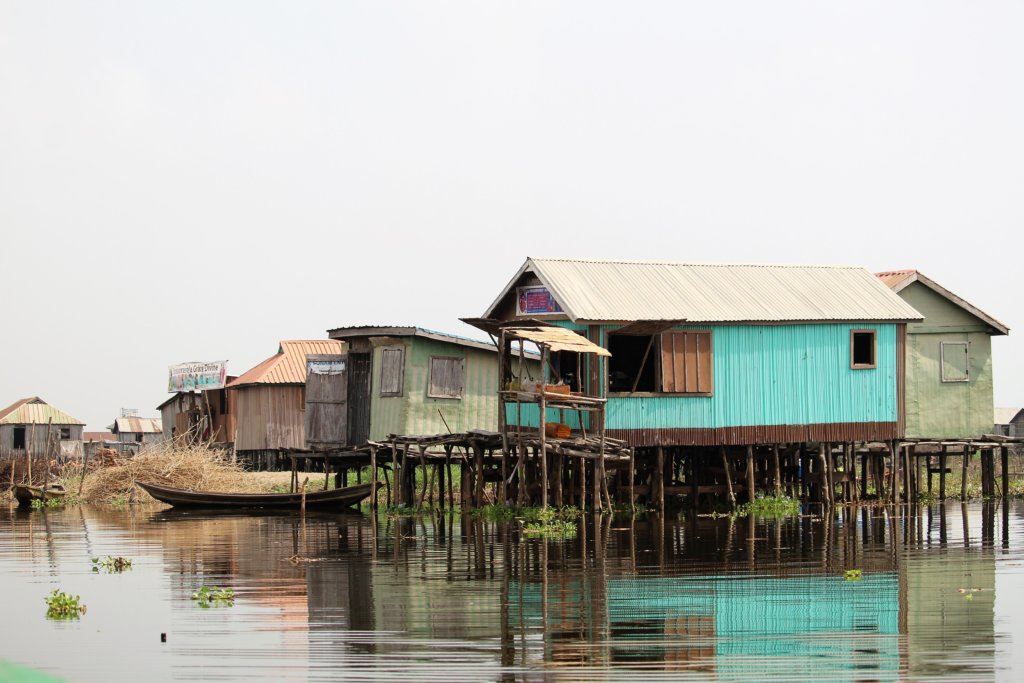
(556, 339)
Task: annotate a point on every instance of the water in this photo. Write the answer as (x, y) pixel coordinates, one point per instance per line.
(452, 598)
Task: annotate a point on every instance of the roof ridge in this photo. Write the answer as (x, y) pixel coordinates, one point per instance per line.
(711, 264)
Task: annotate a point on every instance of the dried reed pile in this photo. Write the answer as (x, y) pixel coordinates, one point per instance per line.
(196, 467)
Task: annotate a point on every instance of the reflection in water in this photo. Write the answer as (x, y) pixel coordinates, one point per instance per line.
(454, 597)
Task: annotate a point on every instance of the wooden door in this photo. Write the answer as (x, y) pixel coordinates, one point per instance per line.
(360, 366)
(326, 400)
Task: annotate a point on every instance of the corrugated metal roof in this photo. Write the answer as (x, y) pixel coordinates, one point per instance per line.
(898, 280)
(1005, 416)
(98, 436)
(288, 365)
(622, 291)
(353, 331)
(35, 410)
(557, 339)
(144, 425)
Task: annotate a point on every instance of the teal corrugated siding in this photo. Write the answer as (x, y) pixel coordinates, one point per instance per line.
(773, 375)
(777, 375)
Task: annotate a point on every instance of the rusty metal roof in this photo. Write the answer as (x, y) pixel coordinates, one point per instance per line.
(898, 280)
(35, 410)
(288, 365)
(626, 291)
(140, 425)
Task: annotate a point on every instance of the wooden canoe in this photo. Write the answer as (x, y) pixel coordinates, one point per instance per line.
(26, 493)
(331, 498)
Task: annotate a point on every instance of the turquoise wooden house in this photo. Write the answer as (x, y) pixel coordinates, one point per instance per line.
(726, 354)
(949, 360)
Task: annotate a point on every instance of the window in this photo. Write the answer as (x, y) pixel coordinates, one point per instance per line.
(445, 378)
(632, 363)
(687, 363)
(65, 433)
(862, 349)
(955, 367)
(19, 438)
(392, 371)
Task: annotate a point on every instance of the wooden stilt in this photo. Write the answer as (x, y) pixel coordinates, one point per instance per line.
(776, 470)
(942, 472)
(1004, 466)
(751, 487)
(964, 463)
(728, 478)
(373, 477)
(478, 466)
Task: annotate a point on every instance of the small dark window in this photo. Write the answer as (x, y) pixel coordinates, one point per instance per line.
(445, 378)
(862, 349)
(65, 433)
(631, 363)
(392, 371)
(19, 438)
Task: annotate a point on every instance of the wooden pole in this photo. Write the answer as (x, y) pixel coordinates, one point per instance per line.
(543, 430)
(751, 492)
(658, 479)
(1004, 463)
(728, 478)
(965, 461)
(373, 479)
(776, 470)
(942, 472)
(28, 454)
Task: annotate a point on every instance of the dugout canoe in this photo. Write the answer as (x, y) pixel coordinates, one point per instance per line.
(26, 493)
(332, 498)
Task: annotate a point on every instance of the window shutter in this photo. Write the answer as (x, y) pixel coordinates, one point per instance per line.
(392, 371)
(445, 377)
(686, 363)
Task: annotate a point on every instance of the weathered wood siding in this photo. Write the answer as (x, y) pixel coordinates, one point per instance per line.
(270, 417)
(946, 410)
(35, 442)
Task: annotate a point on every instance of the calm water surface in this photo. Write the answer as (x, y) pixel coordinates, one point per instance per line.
(453, 598)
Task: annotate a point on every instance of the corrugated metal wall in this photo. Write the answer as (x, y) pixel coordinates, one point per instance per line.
(270, 417)
(948, 410)
(773, 375)
(415, 413)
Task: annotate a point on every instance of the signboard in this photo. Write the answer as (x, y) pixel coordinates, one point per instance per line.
(326, 367)
(535, 300)
(197, 376)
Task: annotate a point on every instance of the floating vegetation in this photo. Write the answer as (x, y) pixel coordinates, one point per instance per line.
(769, 506)
(212, 596)
(38, 504)
(550, 523)
(111, 565)
(853, 574)
(403, 511)
(60, 605)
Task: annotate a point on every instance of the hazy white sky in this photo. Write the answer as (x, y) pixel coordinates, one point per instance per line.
(196, 180)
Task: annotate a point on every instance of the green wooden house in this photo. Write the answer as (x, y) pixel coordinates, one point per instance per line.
(410, 380)
(949, 360)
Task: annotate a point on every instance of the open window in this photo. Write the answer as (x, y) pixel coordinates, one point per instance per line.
(19, 439)
(954, 361)
(569, 368)
(445, 377)
(687, 363)
(392, 371)
(65, 433)
(862, 349)
(631, 366)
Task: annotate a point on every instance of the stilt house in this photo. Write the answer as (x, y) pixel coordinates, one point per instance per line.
(23, 425)
(410, 380)
(210, 415)
(709, 355)
(271, 399)
(949, 360)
